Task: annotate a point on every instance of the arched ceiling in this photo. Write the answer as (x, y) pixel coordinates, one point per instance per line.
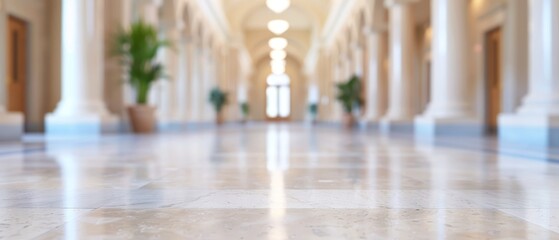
(238, 11)
(259, 18)
(248, 20)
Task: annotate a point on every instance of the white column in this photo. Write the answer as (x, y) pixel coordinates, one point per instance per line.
(228, 81)
(376, 82)
(347, 70)
(196, 82)
(242, 72)
(357, 60)
(332, 69)
(537, 121)
(357, 70)
(183, 84)
(340, 76)
(231, 75)
(11, 124)
(205, 69)
(400, 111)
(451, 96)
(337, 73)
(515, 60)
(81, 109)
(212, 82)
(450, 111)
(168, 103)
(209, 84)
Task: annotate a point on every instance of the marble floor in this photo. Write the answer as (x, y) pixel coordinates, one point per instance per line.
(271, 182)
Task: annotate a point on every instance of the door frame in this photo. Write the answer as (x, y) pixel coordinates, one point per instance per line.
(488, 97)
(24, 60)
(484, 21)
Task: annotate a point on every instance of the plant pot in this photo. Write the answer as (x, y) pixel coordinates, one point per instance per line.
(313, 119)
(219, 119)
(142, 118)
(348, 120)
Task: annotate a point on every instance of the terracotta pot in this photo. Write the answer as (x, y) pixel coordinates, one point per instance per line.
(348, 120)
(142, 118)
(219, 119)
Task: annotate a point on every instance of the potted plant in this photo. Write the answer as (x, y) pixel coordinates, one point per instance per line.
(349, 95)
(218, 99)
(313, 110)
(245, 110)
(138, 49)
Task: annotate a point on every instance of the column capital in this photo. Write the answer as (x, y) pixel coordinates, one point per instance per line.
(392, 3)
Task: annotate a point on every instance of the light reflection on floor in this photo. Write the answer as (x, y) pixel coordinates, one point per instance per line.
(273, 182)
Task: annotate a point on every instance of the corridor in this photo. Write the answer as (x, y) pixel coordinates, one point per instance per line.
(271, 181)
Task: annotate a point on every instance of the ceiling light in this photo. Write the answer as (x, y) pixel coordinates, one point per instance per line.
(278, 26)
(278, 54)
(274, 63)
(278, 66)
(278, 69)
(278, 43)
(278, 6)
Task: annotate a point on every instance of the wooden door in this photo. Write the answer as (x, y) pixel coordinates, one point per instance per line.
(16, 64)
(493, 76)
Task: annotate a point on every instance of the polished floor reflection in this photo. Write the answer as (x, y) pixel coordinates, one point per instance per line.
(272, 182)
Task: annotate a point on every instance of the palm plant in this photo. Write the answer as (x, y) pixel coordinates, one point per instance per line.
(138, 49)
(313, 109)
(218, 98)
(245, 109)
(349, 94)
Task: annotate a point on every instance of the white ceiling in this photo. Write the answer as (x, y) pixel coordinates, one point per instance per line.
(260, 17)
(249, 18)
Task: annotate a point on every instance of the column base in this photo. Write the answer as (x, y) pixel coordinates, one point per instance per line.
(389, 126)
(429, 128)
(11, 126)
(540, 132)
(89, 125)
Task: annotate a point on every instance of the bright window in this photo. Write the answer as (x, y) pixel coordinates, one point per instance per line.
(278, 96)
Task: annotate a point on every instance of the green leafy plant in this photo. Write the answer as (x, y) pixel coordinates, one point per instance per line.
(138, 49)
(218, 98)
(245, 109)
(313, 109)
(349, 94)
